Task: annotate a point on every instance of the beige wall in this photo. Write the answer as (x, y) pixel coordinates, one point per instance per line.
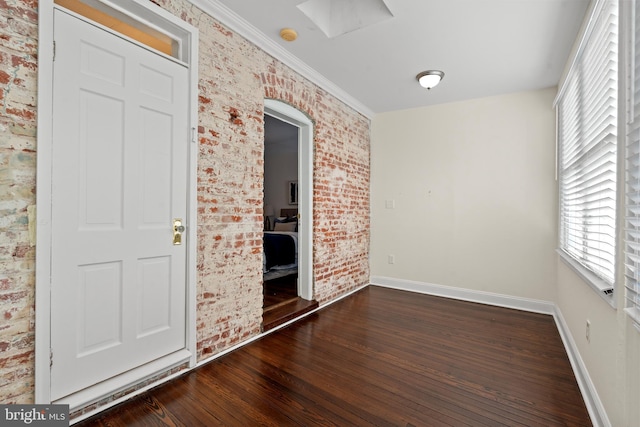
(475, 208)
(602, 354)
(612, 354)
(474, 190)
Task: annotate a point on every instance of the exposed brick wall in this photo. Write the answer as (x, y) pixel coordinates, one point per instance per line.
(341, 200)
(18, 50)
(234, 79)
(341, 183)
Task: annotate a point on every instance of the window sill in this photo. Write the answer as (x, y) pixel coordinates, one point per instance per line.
(603, 289)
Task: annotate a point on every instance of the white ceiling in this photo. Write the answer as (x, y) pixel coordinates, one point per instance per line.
(484, 47)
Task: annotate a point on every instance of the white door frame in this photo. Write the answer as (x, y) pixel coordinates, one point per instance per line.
(187, 36)
(291, 115)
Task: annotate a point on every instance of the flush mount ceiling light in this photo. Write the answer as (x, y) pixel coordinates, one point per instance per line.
(430, 78)
(288, 34)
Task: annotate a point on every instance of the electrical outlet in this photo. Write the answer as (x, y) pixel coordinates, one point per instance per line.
(587, 332)
(391, 259)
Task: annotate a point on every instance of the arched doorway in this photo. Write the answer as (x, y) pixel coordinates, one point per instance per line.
(304, 201)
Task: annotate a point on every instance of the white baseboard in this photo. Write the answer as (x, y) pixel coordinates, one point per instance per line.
(589, 394)
(507, 301)
(596, 410)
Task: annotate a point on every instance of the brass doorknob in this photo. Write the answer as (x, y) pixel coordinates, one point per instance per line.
(178, 229)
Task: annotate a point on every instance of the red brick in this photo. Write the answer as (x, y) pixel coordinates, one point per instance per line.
(234, 79)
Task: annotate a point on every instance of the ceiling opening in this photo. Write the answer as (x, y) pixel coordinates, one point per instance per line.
(338, 17)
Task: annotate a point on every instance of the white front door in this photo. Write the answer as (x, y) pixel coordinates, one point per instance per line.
(119, 179)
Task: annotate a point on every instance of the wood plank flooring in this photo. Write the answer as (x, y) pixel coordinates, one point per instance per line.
(281, 302)
(379, 357)
(278, 290)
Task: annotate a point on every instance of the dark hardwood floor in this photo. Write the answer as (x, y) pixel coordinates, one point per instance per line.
(277, 291)
(281, 302)
(379, 357)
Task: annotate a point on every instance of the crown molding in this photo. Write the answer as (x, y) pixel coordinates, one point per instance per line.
(230, 19)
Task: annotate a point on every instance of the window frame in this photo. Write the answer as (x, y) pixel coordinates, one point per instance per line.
(574, 76)
(631, 59)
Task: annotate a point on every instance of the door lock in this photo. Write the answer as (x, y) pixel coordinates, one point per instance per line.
(178, 229)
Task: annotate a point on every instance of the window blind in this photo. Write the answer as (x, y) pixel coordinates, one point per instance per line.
(587, 139)
(632, 192)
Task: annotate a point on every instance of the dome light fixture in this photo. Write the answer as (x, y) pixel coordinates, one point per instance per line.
(288, 34)
(429, 79)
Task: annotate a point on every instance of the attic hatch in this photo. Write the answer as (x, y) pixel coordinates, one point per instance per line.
(122, 23)
(338, 17)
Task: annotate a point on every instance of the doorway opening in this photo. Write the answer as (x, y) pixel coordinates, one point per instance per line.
(287, 271)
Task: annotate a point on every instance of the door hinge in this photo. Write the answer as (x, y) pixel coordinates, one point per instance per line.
(50, 357)
(193, 135)
(54, 50)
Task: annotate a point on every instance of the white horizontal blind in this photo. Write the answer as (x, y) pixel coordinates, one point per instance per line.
(632, 201)
(587, 117)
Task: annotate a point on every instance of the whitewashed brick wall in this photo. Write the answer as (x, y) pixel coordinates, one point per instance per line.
(234, 79)
(18, 74)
